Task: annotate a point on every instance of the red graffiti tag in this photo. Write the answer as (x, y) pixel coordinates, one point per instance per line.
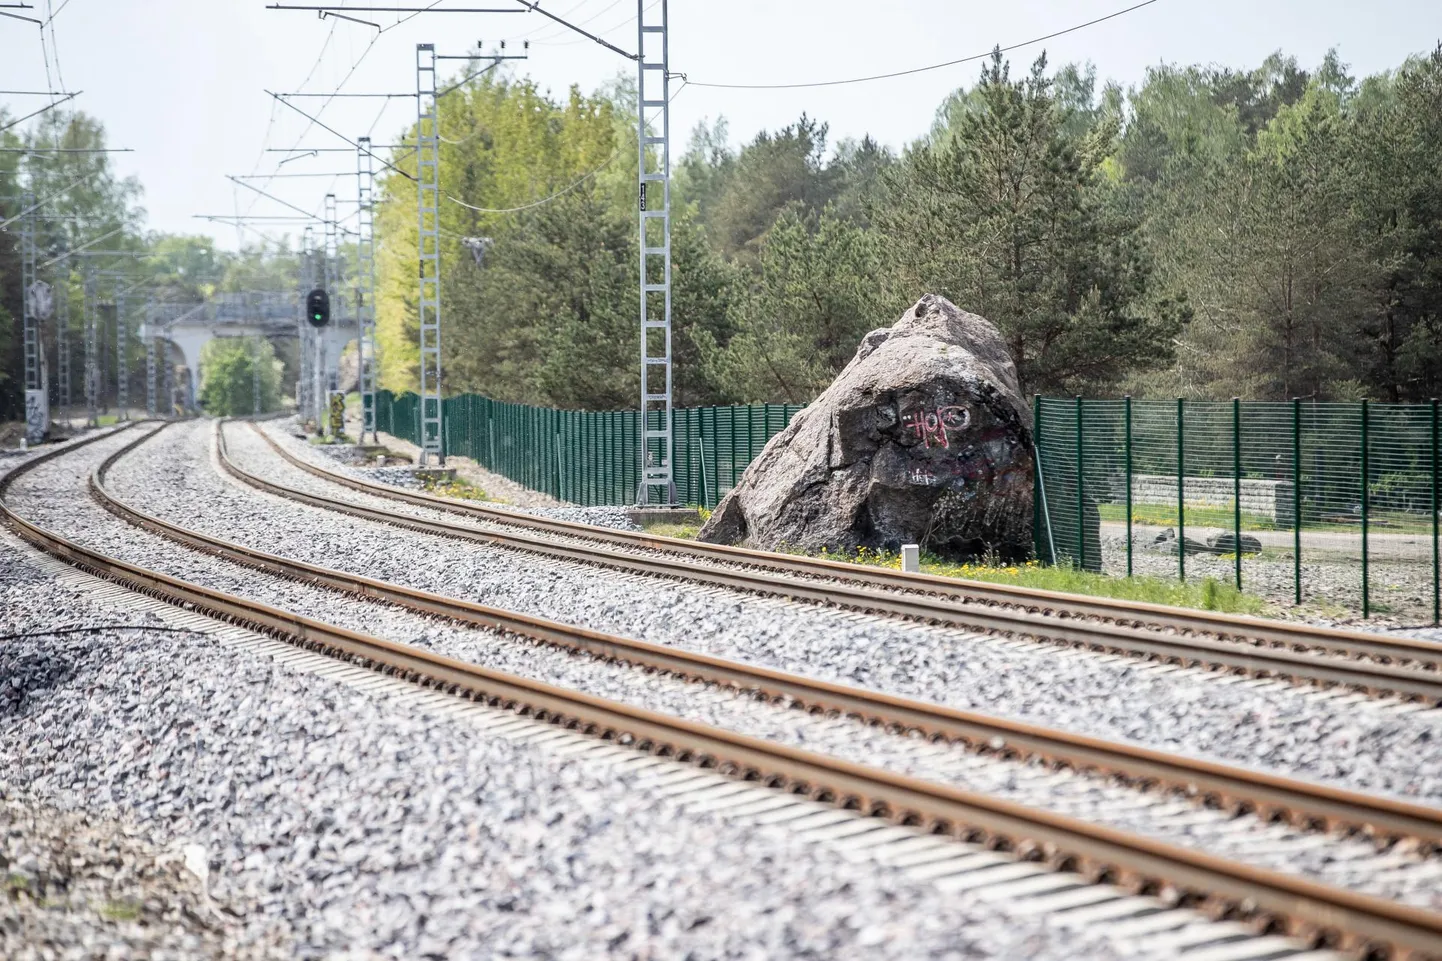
(930, 427)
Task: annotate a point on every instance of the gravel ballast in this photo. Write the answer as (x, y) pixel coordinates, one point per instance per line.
(165, 458)
(1271, 725)
(337, 824)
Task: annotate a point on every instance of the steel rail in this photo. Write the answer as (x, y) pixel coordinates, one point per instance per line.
(1214, 783)
(1179, 621)
(1365, 925)
(1376, 673)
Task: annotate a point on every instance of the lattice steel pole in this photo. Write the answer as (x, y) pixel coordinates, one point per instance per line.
(92, 372)
(168, 369)
(150, 344)
(122, 361)
(654, 170)
(34, 349)
(332, 280)
(62, 339)
(366, 287)
(255, 355)
(428, 244)
(306, 282)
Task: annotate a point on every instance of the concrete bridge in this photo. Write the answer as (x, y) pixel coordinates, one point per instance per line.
(185, 329)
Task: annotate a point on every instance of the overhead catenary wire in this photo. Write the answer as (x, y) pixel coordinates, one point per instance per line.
(70, 253)
(35, 113)
(39, 204)
(56, 13)
(928, 67)
(342, 136)
(54, 46)
(270, 125)
(603, 32)
(545, 200)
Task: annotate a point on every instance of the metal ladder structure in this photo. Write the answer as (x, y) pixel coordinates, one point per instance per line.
(365, 307)
(255, 360)
(62, 340)
(305, 383)
(92, 358)
(331, 281)
(122, 361)
(151, 338)
(653, 86)
(34, 349)
(168, 378)
(428, 249)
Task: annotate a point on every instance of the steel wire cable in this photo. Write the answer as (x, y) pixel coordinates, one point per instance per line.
(928, 67)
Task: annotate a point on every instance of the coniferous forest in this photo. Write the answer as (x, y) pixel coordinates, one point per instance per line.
(1212, 231)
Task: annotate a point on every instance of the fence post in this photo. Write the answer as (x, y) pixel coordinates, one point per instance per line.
(1297, 499)
(1081, 531)
(1181, 493)
(1127, 411)
(1436, 571)
(1237, 486)
(1366, 505)
(701, 452)
(1036, 475)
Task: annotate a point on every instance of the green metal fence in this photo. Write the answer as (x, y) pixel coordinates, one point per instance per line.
(590, 457)
(1330, 503)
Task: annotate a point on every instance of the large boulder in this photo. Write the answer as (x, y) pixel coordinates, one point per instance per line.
(924, 438)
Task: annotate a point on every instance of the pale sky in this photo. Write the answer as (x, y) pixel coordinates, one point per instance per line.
(182, 81)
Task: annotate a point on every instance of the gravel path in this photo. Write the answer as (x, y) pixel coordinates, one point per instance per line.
(180, 455)
(506, 494)
(1400, 591)
(1272, 725)
(346, 826)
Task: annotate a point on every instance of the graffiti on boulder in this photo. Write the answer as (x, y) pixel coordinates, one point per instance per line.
(933, 427)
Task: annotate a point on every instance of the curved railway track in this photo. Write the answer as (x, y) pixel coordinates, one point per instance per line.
(1325, 915)
(1322, 914)
(1372, 663)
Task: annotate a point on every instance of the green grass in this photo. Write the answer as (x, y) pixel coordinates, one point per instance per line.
(1165, 515)
(665, 529)
(107, 420)
(1209, 594)
(460, 489)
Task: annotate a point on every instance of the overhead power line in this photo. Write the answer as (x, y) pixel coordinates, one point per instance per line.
(341, 16)
(59, 193)
(545, 200)
(915, 70)
(71, 253)
(342, 136)
(343, 173)
(35, 113)
(283, 203)
(431, 9)
(66, 150)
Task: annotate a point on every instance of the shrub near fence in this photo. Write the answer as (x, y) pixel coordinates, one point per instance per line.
(590, 457)
(1367, 477)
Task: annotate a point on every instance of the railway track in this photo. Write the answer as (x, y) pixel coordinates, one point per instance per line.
(1320, 913)
(1375, 664)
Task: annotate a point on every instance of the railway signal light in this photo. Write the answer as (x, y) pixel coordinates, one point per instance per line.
(317, 307)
